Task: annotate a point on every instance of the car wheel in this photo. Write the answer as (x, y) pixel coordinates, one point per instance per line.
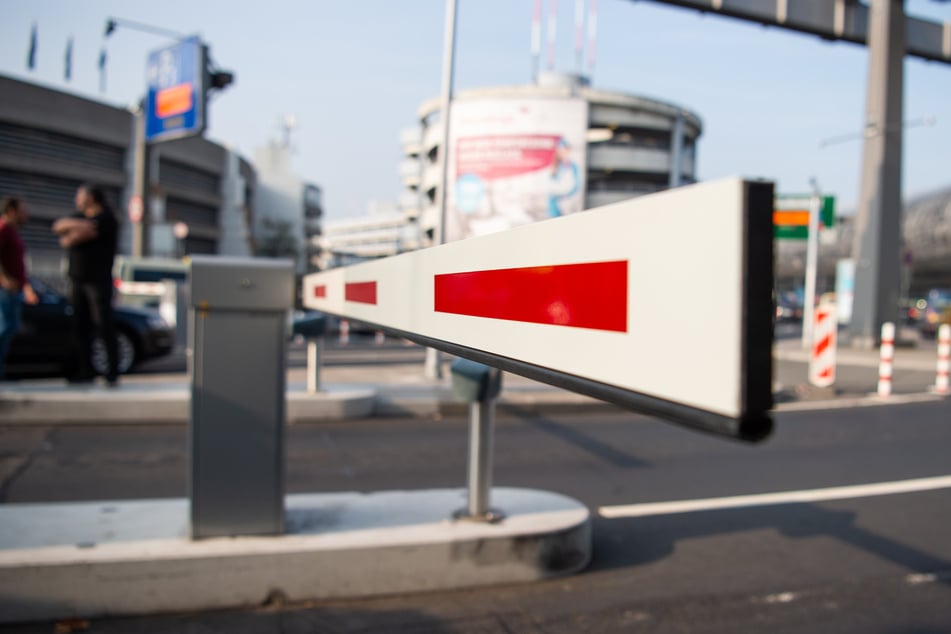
(126, 354)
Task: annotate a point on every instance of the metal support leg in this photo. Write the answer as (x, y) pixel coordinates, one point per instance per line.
(481, 426)
(480, 385)
(313, 365)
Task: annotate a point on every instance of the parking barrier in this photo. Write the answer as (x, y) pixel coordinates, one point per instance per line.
(822, 359)
(944, 360)
(887, 357)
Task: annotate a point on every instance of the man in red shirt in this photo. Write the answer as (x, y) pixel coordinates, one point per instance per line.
(14, 286)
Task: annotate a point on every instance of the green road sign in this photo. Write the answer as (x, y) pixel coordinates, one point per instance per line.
(800, 202)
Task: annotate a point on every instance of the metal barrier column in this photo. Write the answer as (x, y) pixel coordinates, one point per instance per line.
(238, 337)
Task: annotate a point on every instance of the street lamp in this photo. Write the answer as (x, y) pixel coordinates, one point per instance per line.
(433, 364)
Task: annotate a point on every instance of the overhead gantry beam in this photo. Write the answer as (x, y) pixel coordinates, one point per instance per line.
(890, 36)
(829, 19)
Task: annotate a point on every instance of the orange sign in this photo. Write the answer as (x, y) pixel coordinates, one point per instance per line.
(787, 217)
(173, 100)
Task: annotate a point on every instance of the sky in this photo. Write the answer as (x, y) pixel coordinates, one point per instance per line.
(353, 73)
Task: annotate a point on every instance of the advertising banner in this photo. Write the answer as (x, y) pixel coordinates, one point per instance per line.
(514, 162)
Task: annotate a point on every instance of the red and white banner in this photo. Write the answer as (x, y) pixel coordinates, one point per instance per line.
(667, 295)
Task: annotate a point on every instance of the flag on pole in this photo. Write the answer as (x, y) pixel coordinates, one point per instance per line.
(31, 56)
(68, 63)
(102, 69)
(536, 38)
(592, 36)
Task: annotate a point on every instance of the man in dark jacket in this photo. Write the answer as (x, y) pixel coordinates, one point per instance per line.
(90, 237)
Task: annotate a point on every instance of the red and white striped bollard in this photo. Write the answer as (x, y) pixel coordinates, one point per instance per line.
(822, 359)
(886, 358)
(944, 360)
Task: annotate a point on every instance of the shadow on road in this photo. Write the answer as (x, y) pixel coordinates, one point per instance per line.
(585, 442)
(653, 538)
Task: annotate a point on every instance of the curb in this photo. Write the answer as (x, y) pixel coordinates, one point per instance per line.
(352, 402)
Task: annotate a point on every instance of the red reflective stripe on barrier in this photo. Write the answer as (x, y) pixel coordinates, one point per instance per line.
(320, 291)
(590, 295)
(361, 292)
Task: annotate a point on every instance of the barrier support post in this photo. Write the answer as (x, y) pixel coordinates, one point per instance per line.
(313, 366)
(312, 329)
(479, 385)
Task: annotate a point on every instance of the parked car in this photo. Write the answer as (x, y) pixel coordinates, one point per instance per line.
(47, 345)
(141, 281)
(788, 307)
(937, 311)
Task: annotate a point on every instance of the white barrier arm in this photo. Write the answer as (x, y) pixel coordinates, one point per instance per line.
(661, 304)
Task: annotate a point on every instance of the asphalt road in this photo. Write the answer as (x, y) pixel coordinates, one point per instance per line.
(855, 563)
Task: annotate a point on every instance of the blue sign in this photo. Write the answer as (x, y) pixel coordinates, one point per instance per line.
(175, 103)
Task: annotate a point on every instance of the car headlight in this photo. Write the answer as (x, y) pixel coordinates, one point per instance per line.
(157, 322)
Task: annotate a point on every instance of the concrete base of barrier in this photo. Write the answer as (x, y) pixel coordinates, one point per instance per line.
(133, 557)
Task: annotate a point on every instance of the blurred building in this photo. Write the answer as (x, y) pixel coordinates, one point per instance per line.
(625, 146)
(289, 210)
(385, 230)
(52, 141)
(507, 143)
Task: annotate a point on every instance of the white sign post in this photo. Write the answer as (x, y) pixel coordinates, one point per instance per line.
(661, 304)
(812, 267)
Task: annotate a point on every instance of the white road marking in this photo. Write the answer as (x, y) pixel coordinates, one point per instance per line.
(918, 579)
(857, 401)
(782, 597)
(784, 497)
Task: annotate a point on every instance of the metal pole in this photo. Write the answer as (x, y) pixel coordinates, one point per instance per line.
(140, 185)
(877, 245)
(112, 23)
(481, 422)
(812, 267)
(676, 151)
(433, 367)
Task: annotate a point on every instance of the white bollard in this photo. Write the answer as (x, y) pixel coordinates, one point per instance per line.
(344, 332)
(944, 360)
(822, 359)
(887, 356)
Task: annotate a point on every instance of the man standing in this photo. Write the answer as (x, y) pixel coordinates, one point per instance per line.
(90, 237)
(14, 286)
